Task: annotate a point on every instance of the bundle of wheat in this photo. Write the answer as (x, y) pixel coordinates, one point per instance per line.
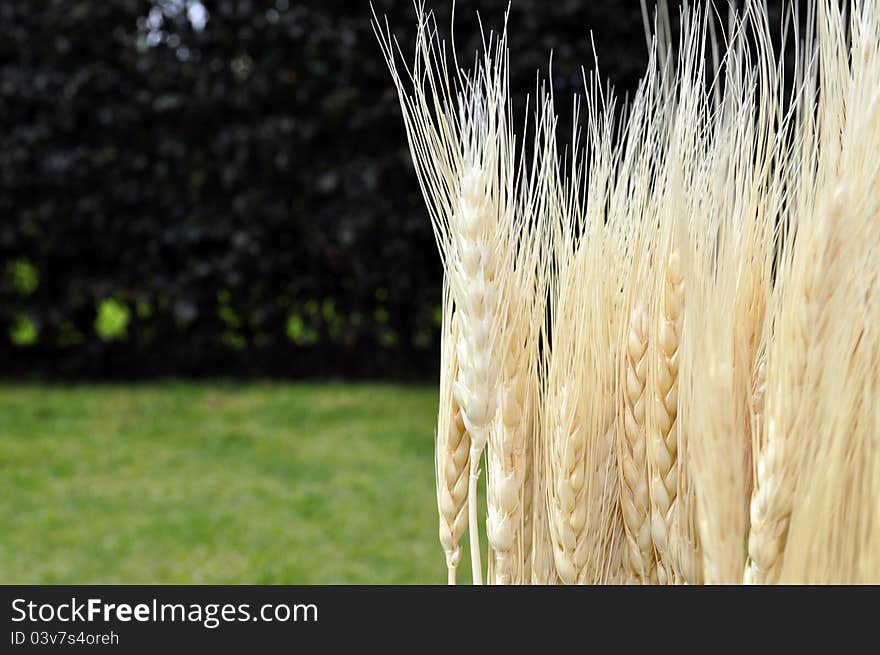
(665, 342)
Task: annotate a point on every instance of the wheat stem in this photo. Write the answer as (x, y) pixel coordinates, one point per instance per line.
(473, 520)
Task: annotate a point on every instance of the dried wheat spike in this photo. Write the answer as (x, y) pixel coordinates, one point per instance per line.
(543, 569)
(635, 499)
(452, 448)
(800, 334)
(452, 487)
(568, 507)
(663, 438)
(508, 454)
(601, 534)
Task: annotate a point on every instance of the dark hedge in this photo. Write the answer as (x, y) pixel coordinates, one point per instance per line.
(223, 188)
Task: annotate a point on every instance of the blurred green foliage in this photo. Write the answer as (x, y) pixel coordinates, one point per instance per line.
(23, 332)
(162, 153)
(112, 319)
(25, 278)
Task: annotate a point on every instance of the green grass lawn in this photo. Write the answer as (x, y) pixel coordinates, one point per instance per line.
(218, 483)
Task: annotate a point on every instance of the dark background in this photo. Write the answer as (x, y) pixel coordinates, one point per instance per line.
(219, 187)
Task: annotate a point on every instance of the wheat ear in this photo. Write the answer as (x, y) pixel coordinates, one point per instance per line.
(832, 529)
(663, 393)
(829, 540)
(543, 570)
(787, 396)
(565, 417)
(720, 468)
(508, 453)
(460, 142)
(635, 501)
(605, 517)
(452, 447)
(475, 387)
(580, 461)
(717, 402)
(565, 470)
(805, 283)
(509, 523)
(682, 560)
(541, 564)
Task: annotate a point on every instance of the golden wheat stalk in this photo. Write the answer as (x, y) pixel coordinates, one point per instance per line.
(811, 272)
(509, 524)
(452, 446)
(541, 567)
(663, 395)
(832, 534)
(795, 348)
(717, 444)
(568, 447)
(635, 500)
(685, 145)
(829, 536)
(509, 453)
(579, 416)
(711, 310)
(461, 146)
